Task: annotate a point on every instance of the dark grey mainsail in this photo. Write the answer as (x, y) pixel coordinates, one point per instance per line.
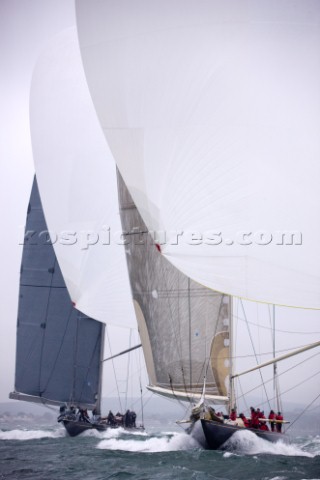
(184, 327)
(59, 349)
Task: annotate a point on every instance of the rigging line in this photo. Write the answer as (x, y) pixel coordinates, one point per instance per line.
(284, 372)
(257, 335)
(316, 407)
(98, 338)
(128, 366)
(177, 399)
(242, 394)
(50, 407)
(141, 399)
(303, 411)
(260, 373)
(114, 370)
(61, 345)
(299, 384)
(277, 329)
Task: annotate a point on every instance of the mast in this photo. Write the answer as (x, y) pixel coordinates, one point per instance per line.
(231, 380)
(99, 395)
(189, 316)
(275, 365)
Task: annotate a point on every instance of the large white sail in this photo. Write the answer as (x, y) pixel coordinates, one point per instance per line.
(212, 112)
(77, 181)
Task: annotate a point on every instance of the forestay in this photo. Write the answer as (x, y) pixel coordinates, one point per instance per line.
(212, 112)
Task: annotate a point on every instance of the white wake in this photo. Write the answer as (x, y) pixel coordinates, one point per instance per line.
(248, 443)
(30, 434)
(164, 443)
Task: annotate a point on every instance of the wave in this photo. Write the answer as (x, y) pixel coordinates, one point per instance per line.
(24, 435)
(159, 443)
(113, 433)
(248, 443)
(310, 444)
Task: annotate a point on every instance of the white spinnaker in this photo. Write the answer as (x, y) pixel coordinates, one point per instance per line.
(212, 112)
(77, 182)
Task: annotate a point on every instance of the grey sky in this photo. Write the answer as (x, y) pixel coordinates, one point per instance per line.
(25, 27)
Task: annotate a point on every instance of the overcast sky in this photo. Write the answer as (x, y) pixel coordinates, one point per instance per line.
(25, 28)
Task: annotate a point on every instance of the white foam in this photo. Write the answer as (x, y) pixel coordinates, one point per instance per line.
(228, 454)
(278, 478)
(312, 445)
(91, 433)
(31, 434)
(112, 433)
(248, 443)
(176, 441)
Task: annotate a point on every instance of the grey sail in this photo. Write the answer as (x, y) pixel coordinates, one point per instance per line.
(59, 349)
(184, 327)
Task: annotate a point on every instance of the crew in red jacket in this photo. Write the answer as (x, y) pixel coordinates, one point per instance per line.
(255, 415)
(245, 420)
(272, 416)
(279, 425)
(263, 425)
(233, 414)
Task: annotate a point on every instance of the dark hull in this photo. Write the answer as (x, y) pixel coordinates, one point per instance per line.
(75, 427)
(216, 434)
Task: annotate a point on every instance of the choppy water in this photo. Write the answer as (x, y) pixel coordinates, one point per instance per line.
(48, 454)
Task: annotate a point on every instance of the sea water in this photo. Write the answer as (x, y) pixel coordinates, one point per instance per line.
(49, 454)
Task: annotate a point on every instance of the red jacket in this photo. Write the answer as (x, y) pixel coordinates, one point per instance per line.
(233, 416)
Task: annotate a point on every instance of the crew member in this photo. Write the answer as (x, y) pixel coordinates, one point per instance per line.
(244, 419)
(272, 416)
(233, 414)
(263, 425)
(279, 425)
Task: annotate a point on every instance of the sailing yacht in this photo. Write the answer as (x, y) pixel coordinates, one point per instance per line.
(68, 291)
(209, 110)
(59, 353)
(59, 349)
(186, 333)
